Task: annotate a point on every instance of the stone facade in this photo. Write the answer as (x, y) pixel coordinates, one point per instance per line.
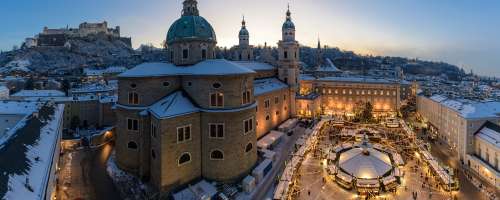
(277, 112)
(338, 96)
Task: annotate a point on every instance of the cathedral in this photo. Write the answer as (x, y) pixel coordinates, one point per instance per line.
(200, 117)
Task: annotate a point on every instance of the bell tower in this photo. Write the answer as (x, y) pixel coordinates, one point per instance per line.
(288, 59)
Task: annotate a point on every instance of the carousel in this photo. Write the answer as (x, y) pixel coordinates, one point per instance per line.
(370, 169)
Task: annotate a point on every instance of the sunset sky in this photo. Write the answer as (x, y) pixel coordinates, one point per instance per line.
(461, 32)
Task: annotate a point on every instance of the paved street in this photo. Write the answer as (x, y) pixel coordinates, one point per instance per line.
(83, 175)
(445, 155)
(266, 189)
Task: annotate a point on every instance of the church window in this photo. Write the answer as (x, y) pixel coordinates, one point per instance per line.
(276, 100)
(184, 158)
(132, 124)
(248, 57)
(240, 57)
(166, 84)
(267, 117)
(285, 55)
(133, 85)
(217, 99)
(246, 97)
(133, 98)
(248, 125)
(267, 103)
(216, 155)
(249, 147)
(132, 145)
(277, 113)
(183, 133)
(204, 54)
(216, 130)
(185, 54)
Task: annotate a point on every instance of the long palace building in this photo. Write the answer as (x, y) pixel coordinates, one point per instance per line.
(200, 117)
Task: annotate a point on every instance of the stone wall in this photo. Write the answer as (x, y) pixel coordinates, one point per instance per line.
(200, 88)
(149, 89)
(236, 163)
(277, 112)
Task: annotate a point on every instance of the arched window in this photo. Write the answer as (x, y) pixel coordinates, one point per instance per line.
(185, 158)
(285, 55)
(132, 145)
(217, 155)
(249, 147)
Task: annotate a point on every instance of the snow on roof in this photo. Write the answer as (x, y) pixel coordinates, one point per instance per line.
(108, 99)
(262, 86)
(200, 190)
(329, 67)
(39, 93)
(27, 176)
(257, 66)
(173, 105)
(4, 88)
(207, 67)
(490, 133)
(307, 77)
(18, 107)
(356, 79)
(91, 88)
(470, 109)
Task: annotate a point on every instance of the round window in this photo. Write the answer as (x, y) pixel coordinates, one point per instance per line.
(216, 85)
(166, 84)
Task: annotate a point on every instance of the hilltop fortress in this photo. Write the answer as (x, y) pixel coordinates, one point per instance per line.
(59, 37)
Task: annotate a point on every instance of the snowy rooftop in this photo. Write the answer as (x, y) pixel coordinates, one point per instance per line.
(173, 105)
(262, 86)
(100, 72)
(328, 67)
(96, 87)
(17, 107)
(470, 109)
(207, 67)
(356, 79)
(39, 93)
(490, 133)
(30, 155)
(256, 66)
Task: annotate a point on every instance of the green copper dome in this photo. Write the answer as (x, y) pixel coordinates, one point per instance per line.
(288, 24)
(191, 27)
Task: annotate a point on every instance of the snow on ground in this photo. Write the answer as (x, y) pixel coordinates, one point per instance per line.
(128, 185)
(40, 156)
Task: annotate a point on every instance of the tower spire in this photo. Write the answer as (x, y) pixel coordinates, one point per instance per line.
(243, 23)
(190, 8)
(288, 13)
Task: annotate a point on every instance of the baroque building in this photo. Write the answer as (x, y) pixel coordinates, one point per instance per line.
(197, 116)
